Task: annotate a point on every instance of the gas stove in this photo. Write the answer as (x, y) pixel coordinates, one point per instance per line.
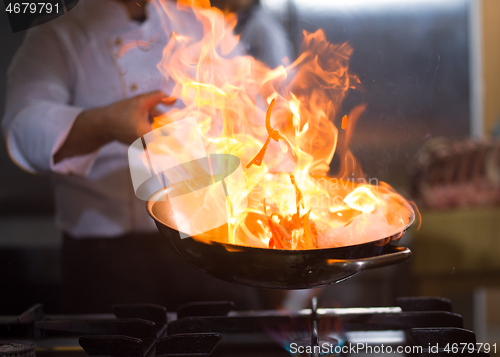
(417, 326)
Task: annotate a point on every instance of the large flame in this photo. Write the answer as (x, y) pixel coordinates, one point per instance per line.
(228, 93)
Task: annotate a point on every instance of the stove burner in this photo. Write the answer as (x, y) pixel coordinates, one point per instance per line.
(214, 329)
(424, 304)
(443, 338)
(17, 349)
(212, 308)
(114, 346)
(314, 323)
(198, 344)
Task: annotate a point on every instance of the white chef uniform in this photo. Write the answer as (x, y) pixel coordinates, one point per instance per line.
(92, 56)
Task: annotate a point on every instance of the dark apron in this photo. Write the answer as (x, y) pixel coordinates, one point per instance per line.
(99, 272)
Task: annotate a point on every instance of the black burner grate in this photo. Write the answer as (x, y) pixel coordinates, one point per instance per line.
(214, 329)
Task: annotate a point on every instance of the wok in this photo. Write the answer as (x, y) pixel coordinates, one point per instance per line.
(274, 268)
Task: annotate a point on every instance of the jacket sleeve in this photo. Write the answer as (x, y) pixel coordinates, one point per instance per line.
(39, 115)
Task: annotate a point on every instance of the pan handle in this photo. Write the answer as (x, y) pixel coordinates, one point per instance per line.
(356, 265)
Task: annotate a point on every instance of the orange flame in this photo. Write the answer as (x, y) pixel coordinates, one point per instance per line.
(227, 92)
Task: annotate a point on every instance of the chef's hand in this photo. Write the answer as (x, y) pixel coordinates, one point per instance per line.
(123, 121)
(129, 119)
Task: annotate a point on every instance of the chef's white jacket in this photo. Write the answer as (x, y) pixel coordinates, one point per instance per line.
(92, 56)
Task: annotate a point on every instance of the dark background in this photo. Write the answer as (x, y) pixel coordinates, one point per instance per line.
(412, 60)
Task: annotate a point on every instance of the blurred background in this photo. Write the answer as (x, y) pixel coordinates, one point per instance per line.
(430, 71)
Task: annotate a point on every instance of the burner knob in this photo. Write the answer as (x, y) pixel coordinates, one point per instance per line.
(17, 349)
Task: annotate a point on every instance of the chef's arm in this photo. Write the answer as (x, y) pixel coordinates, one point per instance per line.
(123, 121)
(44, 131)
(38, 111)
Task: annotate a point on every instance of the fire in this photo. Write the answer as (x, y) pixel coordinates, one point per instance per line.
(272, 134)
(291, 203)
(362, 199)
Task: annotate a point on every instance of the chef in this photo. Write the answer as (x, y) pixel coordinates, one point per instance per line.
(81, 88)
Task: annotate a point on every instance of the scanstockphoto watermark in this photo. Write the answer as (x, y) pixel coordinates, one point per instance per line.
(331, 184)
(318, 193)
(365, 348)
(206, 190)
(25, 14)
(331, 349)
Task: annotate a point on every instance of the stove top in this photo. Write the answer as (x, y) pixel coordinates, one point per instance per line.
(417, 326)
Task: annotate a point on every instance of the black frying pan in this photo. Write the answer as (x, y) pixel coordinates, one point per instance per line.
(273, 268)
